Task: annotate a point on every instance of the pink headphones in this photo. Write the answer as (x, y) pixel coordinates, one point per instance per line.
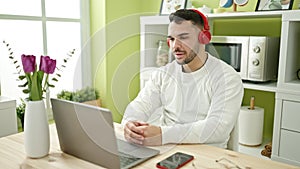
(204, 36)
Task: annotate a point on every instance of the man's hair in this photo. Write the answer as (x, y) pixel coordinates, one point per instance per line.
(186, 15)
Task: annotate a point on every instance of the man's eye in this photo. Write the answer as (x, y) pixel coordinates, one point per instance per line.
(183, 37)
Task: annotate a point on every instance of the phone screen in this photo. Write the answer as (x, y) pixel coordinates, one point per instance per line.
(175, 161)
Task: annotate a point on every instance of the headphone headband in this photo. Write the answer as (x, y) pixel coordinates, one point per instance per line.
(205, 21)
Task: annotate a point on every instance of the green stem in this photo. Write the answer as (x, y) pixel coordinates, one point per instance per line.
(45, 83)
(34, 90)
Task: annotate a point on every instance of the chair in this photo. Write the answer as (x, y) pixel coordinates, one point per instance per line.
(233, 142)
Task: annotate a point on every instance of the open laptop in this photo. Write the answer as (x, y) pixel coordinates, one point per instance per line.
(87, 132)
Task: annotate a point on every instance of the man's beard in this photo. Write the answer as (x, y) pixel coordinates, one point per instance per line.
(190, 57)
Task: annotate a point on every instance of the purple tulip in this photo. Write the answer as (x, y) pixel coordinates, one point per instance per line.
(47, 64)
(28, 62)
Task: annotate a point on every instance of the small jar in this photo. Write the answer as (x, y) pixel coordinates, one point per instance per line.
(162, 57)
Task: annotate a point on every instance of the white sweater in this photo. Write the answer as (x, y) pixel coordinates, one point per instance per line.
(197, 107)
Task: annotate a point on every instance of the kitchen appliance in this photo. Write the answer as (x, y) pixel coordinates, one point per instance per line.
(254, 57)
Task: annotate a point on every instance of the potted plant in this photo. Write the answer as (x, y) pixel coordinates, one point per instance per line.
(20, 110)
(35, 81)
(87, 95)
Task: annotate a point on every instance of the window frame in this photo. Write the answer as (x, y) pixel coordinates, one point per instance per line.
(85, 64)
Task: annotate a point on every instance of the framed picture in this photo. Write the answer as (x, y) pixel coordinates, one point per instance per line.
(169, 6)
(271, 5)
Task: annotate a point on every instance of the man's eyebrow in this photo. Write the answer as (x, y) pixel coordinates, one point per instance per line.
(182, 34)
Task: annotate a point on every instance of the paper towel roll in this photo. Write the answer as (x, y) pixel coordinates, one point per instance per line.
(251, 124)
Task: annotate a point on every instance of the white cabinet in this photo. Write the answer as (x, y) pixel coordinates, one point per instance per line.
(8, 117)
(289, 61)
(286, 132)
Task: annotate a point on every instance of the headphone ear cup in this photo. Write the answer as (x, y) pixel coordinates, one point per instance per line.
(204, 37)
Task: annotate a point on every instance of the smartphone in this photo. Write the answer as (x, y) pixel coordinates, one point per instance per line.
(175, 161)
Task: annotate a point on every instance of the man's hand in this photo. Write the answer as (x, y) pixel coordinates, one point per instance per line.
(142, 133)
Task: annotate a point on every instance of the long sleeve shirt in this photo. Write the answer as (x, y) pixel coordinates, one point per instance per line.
(197, 107)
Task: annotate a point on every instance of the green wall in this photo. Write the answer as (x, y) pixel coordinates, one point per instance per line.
(97, 25)
(115, 62)
(116, 69)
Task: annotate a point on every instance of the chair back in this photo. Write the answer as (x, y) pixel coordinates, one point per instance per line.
(233, 142)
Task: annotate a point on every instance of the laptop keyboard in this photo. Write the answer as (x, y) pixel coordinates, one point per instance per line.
(126, 159)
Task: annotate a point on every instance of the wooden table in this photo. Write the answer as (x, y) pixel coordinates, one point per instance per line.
(12, 156)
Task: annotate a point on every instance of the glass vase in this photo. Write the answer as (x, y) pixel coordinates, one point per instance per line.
(162, 56)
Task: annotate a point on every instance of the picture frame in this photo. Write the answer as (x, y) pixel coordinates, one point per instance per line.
(169, 6)
(271, 5)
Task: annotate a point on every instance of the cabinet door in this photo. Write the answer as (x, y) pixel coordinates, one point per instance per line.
(291, 115)
(289, 145)
(8, 119)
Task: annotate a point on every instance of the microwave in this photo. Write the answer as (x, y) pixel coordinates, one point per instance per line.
(255, 58)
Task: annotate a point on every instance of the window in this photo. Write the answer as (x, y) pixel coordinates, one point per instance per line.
(42, 27)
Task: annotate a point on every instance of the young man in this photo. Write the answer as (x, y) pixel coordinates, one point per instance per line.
(198, 95)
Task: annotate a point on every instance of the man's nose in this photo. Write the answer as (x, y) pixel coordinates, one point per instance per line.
(176, 43)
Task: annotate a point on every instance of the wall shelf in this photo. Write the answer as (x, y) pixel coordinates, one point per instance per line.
(263, 14)
(266, 86)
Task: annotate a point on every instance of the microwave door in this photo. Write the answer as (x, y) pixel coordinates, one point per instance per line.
(229, 53)
(235, 54)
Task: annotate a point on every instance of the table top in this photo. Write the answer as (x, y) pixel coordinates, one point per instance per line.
(12, 156)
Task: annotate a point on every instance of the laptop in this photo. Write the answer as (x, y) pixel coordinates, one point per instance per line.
(87, 132)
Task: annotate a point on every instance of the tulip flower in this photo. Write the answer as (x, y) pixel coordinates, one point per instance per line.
(33, 80)
(36, 78)
(28, 62)
(47, 64)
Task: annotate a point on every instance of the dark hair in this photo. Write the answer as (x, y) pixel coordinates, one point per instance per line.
(186, 15)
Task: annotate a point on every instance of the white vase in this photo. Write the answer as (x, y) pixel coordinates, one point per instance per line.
(36, 130)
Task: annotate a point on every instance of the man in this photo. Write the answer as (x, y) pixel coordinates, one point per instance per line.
(196, 98)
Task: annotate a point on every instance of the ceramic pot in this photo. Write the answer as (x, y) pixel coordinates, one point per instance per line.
(36, 130)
